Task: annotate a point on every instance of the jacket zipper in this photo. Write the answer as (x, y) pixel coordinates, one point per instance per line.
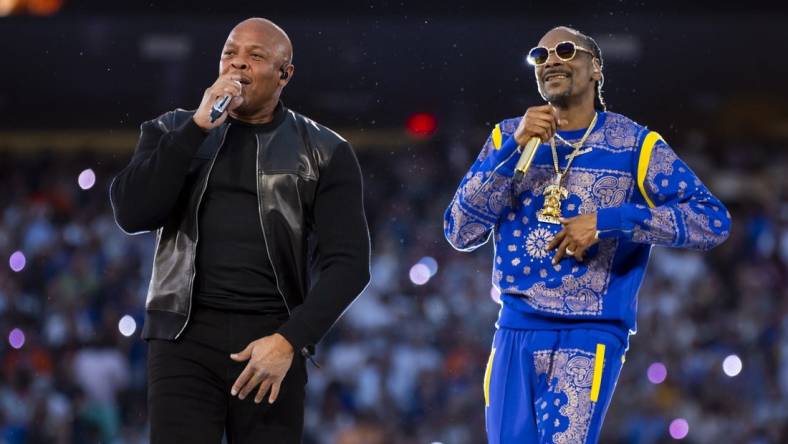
(259, 170)
(304, 351)
(197, 231)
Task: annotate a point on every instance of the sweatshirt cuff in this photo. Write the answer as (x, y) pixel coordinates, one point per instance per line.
(608, 222)
(188, 136)
(296, 334)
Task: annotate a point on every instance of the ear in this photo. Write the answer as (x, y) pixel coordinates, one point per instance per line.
(289, 70)
(596, 72)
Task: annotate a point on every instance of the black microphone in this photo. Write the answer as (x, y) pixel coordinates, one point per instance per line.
(219, 107)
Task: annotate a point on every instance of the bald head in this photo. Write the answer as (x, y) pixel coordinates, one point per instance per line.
(274, 37)
(259, 54)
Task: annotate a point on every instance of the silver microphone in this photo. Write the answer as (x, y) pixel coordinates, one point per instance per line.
(219, 107)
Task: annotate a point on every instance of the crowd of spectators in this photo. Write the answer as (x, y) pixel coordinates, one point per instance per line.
(406, 362)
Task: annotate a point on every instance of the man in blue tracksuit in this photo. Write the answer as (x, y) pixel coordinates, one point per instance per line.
(572, 240)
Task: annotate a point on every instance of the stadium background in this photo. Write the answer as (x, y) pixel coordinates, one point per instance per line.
(415, 87)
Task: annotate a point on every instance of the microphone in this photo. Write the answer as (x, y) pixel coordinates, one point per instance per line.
(526, 157)
(219, 107)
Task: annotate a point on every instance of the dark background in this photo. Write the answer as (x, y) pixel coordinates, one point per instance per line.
(114, 64)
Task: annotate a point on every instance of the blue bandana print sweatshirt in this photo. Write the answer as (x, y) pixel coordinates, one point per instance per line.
(643, 195)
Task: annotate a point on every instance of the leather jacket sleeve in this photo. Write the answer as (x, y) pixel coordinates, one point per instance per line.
(144, 193)
(344, 251)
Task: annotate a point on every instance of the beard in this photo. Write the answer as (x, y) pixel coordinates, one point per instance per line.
(558, 98)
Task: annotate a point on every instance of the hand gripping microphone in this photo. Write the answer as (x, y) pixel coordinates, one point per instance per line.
(526, 157)
(219, 107)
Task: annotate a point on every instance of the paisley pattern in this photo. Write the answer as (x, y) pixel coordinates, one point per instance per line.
(479, 200)
(687, 215)
(660, 218)
(577, 293)
(565, 291)
(564, 412)
(596, 188)
(618, 135)
(610, 190)
(602, 179)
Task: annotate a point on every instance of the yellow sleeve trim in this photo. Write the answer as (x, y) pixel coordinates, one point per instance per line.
(645, 157)
(599, 365)
(487, 373)
(497, 137)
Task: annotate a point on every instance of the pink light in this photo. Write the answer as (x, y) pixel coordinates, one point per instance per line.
(17, 261)
(657, 372)
(127, 325)
(87, 179)
(732, 365)
(16, 338)
(679, 428)
(419, 274)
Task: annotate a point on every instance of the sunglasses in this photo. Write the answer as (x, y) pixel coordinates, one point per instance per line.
(565, 51)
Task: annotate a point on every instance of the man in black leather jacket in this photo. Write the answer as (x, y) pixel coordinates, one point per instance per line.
(261, 244)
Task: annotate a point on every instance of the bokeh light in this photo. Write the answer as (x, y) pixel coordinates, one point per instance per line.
(87, 179)
(679, 428)
(657, 372)
(431, 264)
(10, 6)
(44, 7)
(127, 325)
(17, 261)
(16, 338)
(732, 365)
(422, 125)
(419, 274)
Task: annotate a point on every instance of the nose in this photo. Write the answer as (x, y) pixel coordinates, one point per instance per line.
(552, 60)
(239, 63)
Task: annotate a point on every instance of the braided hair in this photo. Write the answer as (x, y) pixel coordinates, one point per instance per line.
(590, 43)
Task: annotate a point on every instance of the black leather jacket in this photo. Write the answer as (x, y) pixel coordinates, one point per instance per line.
(162, 187)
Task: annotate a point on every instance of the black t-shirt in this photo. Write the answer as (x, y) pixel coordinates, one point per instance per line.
(233, 268)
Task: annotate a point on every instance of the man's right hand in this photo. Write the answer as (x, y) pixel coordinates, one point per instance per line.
(225, 85)
(538, 121)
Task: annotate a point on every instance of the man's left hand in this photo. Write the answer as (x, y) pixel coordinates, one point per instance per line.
(578, 234)
(269, 359)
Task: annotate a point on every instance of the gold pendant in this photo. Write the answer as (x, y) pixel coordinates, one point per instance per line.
(551, 210)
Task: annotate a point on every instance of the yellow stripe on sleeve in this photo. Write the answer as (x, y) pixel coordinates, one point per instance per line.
(497, 137)
(487, 374)
(645, 157)
(599, 365)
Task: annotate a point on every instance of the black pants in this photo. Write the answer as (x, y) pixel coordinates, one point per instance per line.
(189, 383)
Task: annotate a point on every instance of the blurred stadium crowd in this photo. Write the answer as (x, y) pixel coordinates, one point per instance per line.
(405, 364)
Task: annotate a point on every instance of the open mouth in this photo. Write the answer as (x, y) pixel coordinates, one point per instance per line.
(245, 81)
(556, 76)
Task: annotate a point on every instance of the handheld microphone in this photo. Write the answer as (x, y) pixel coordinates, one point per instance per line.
(219, 107)
(526, 157)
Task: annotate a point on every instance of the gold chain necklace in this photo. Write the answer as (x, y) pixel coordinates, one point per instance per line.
(551, 210)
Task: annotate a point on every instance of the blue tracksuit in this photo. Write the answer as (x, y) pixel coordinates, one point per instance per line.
(563, 329)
